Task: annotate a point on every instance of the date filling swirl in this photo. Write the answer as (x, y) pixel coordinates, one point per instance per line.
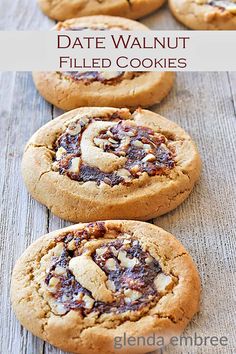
(113, 152)
(105, 77)
(102, 270)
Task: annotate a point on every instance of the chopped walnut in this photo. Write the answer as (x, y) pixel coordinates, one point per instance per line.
(111, 285)
(58, 308)
(89, 302)
(53, 284)
(58, 249)
(113, 141)
(138, 144)
(108, 75)
(125, 261)
(111, 264)
(124, 144)
(75, 165)
(149, 158)
(114, 251)
(99, 142)
(147, 147)
(124, 174)
(60, 152)
(163, 282)
(149, 260)
(71, 245)
(101, 251)
(131, 295)
(59, 270)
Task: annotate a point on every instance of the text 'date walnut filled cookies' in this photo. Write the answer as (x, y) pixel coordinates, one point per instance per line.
(108, 163)
(69, 90)
(80, 287)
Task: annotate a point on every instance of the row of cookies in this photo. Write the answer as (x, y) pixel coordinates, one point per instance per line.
(195, 14)
(81, 287)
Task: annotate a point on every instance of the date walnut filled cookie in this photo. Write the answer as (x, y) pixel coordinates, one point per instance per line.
(80, 287)
(66, 9)
(205, 14)
(69, 90)
(108, 163)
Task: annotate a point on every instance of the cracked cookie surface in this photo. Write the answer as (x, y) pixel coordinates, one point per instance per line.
(109, 163)
(205, 14)
(81, 286)
(69, 90)
(66, 9)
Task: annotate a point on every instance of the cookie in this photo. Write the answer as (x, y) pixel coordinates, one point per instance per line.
(66, 9)
(81, 287)
(108, 163)
(69, 90)
(205, 14)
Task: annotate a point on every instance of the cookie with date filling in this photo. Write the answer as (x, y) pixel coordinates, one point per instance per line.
(109, 163)
(81, 287)
(66, 9)
(72, 89)
(205, 14)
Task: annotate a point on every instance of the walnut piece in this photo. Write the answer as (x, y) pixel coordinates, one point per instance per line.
(111, 264)
(149, 158)
(59, 270)
(125, 261)
(60, 152)
(58, 308)
(131, 295)
(89, 302)
(163, 282)
(75, 165)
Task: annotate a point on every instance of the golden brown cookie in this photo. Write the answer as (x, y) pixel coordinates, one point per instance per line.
(69, 90)
(82, 287)
(109, 163)
(65, 9)
(205, 14)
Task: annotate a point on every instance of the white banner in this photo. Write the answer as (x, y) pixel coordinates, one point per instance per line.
(118, 50)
